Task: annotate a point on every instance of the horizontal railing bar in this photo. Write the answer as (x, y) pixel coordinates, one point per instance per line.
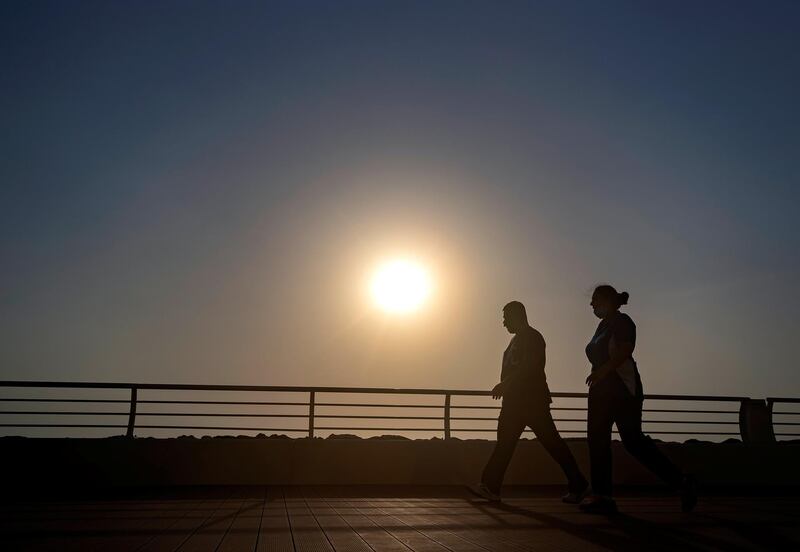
(228, 415)
(786, 423)
(787, 413)
(64, 425)
(244, 403)
(333, 416)
(701, 398)
(643, 421)
(783, 399)
(228, 428)
(690, 411)
(303, 430)
(339, 428)
(206, 414)
(306, 389)
(687, 411)
(475, 407)
(68, 400)
(689, 422)
(62, 413)
(673, 410)
(376, 417)
(141, 401)
(265, 388)
(483, 430)
(373, 405)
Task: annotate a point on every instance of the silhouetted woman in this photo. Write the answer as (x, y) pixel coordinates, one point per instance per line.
(616, 396)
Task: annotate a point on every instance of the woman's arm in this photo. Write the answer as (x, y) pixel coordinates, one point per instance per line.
(622, 352)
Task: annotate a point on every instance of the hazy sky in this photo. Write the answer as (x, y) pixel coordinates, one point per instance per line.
(198, 191)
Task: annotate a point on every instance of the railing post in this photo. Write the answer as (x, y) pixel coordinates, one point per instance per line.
(311, 414)
(755, 422)
(447, 416)
(132, 415)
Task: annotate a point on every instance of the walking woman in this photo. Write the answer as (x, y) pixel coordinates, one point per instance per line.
(616, 397)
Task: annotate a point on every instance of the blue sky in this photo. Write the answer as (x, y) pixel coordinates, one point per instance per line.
(193, 191)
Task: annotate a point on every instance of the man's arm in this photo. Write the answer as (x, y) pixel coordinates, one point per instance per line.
(531, 359)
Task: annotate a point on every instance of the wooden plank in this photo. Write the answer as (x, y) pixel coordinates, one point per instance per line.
(339, 533)
(244, 531)
(275, 533)
(210, 533)
(461, 518)
(307, 533)
(341, 518)
(185, 527)
(500, 530)
(529, 525)
(490, 527)
(151, 519)
(52, 525)
(375, 536)
(110, 524)
(409, 536)
(149, 516)
(425, 521)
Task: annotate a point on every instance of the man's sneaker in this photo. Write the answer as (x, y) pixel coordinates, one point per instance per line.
(688, 491)
(483, 491)
(596, 504)
(575, 497)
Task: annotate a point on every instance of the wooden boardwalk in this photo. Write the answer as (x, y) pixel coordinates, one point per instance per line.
(353, 519)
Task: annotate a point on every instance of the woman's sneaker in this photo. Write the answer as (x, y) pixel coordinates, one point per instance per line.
(688, 491)
(596, 504)
(483, 491)
(575, 497)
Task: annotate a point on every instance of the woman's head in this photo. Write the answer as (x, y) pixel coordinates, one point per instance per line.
(606, 300)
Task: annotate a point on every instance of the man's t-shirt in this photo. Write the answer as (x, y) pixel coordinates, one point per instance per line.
(524, 359)
(616, 329)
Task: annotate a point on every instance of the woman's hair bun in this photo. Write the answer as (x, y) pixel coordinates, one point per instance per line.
(622, 298)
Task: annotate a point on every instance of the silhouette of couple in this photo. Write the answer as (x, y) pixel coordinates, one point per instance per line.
(615, 397)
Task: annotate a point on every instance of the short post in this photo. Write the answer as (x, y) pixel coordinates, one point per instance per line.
(132, 414)
(311, 415)
(755, 422)
(447, 416)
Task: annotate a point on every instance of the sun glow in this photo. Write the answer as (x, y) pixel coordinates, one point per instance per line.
(400, 286)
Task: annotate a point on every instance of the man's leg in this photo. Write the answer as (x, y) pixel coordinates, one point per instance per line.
(600, 420)
(642, 447)
(541, 422)
(509, 427)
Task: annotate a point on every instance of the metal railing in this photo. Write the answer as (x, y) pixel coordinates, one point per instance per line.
(785, 421)
(319, 411)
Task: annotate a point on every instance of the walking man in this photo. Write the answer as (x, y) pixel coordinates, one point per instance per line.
(526, 402)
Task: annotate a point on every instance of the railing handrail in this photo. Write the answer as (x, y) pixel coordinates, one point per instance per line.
(315, 389)
(783, 399)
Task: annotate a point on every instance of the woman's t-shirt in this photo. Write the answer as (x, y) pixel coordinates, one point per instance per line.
(617, 329)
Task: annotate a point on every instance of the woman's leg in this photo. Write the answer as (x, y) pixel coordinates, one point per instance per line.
(600, 420)
(642, 447)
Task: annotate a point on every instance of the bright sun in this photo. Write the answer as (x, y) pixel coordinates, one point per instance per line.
(400, 286)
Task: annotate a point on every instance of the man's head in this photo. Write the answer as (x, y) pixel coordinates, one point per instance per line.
(514, 317)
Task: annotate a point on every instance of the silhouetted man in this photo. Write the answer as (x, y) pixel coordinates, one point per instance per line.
(526, 402)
